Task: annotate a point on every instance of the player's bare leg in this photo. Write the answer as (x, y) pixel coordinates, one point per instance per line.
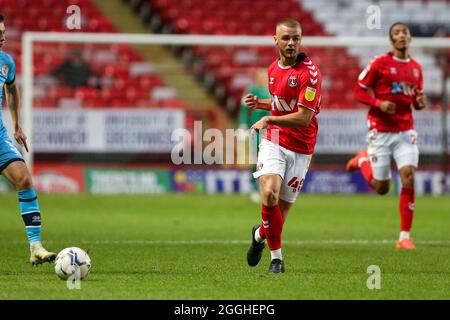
(17, 173)
(406, 207)
(381, 186)
(361, 162)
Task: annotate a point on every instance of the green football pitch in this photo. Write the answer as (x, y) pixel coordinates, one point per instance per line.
(194, 247)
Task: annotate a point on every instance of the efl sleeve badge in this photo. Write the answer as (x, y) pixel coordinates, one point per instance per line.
(310, 94)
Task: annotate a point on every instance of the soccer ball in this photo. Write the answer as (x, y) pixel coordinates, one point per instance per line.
(72, 261)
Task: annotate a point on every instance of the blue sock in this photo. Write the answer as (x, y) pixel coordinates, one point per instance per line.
(29, 208)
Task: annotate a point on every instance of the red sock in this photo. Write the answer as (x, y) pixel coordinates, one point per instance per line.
(406, 208)
(366, 170)
(273, 226)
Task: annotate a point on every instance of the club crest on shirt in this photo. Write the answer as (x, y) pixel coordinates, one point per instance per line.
(5, 69)
(416, 73)
(310, 94)
(393, 70)
(292, 81)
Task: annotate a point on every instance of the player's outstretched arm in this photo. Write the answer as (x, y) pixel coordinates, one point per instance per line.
(14, 104)
(253, 102)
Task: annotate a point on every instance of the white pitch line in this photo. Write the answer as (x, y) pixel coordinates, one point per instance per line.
(200, 242)
(290, 242)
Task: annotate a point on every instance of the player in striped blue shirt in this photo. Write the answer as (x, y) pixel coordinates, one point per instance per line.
(12, 165)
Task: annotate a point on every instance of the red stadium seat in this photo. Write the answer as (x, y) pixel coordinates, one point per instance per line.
(86, 93)
(116, 71)
(97, 103)
(45, 103)
(38, 17)
(99, 24)
(146, 103)
(232, 17)
(121, 103)
(57, 92)
(111, 94)
(173, 103)
(132, 93)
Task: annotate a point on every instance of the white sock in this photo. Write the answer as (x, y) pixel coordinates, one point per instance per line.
(404, 235)
(361, 160)
(257, 236)
(35, 244)
(276, 254)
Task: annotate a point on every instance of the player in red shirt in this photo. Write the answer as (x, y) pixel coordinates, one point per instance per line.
(288, 143)
(396, 82)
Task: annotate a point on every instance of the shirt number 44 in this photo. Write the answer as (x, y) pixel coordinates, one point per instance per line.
(296, 184)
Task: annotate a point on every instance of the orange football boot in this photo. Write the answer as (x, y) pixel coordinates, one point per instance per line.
(353, 164)
(405, 244)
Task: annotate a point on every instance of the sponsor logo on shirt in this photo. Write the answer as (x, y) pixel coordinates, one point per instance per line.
(281, 104)
(404, 88)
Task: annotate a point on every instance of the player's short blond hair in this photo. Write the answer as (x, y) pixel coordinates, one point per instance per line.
(289, 22)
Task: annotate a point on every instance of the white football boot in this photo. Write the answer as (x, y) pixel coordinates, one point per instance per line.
(39, 255)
